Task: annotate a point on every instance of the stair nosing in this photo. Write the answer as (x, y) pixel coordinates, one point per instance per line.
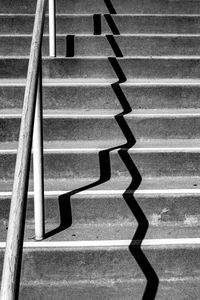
(140, 192)
(101, 114)
(97, 150)
(174, 242)
(60, 283)
(114, 15)
(105, 82)
(133, 57)
(103, 35)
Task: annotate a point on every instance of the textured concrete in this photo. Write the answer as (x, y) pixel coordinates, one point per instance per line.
(86, 165)
(107, 264)
(129, 24)
(96, 6)
(177, 211)
(99, 46)
(100, 67)
(127, 290)
(172, 185)
(87, 96)
(155, 125)
(80, 106)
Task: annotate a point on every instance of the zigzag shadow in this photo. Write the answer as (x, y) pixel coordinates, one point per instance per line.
(143, 224)
(105, 169)
(64, 200)
(105, 175)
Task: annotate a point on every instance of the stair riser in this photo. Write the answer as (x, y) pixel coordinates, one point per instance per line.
(107, 264)
(105, 210)
(178, 290)
(98, 68)
(85, 129)
(102, 96)
(86, 165)
(99, 46)
(84, 24)
(137, 46)
(96, 6)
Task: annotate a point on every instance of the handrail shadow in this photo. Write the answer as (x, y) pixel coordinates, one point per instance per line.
(105, 167)
(105, 175)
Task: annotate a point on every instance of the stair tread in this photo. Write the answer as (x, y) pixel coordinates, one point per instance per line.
(176, 15)
(172, 7)
(103, 35)
(94, 57)
(107, 113)
(114, 289)
(124, 232)
(154, 185)
(115, 232)
(97, 67)
(100, 81)
(99, 145)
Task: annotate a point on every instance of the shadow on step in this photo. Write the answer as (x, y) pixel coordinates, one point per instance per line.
(105, 167)
(105, 175)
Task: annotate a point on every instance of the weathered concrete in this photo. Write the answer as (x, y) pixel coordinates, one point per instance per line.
(127, 290)
(177, 211)
(83, 24)
(100, 67)
(80, 106)
(99, 46)
(97, 126)
(96, 6)
(97, 96)
(107, 264)
(71, 165)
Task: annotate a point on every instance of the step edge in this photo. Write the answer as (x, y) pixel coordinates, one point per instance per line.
(97, 150)
(103, 35)
(102, 282)
(137, 57)
(110, 243)
(179, 192)
(101, 114)
(114, 15)
(99, 82)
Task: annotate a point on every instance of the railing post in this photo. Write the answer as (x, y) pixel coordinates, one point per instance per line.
(14, 243)
(52, 28)
(38, 170)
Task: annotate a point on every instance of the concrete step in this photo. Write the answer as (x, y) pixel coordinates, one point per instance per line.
(101, 125)
(168, 202)
(158, 186)
(88, 253)
(96, 6)
(141, 94)
(107, 262)
(71, 232)
(72, 163)
(93, 67)
(110, 264)
(84, 24)
(115, 289)
(165, 209)
(88, 45)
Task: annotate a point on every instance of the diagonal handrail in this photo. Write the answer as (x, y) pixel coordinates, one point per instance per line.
(15, 235)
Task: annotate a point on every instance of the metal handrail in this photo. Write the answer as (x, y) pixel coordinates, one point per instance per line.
(31, 110)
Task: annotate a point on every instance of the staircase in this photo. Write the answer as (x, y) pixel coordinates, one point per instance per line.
(121, 133)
